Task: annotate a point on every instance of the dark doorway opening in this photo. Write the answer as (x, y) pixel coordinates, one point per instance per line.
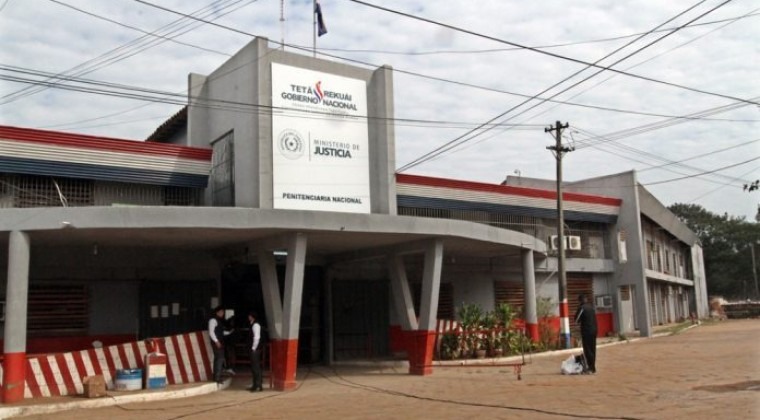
(241, 292)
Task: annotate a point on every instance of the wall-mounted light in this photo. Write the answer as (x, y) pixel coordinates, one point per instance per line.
(95, 248)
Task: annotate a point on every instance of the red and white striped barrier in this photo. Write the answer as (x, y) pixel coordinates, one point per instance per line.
(442, 327)
(188, 360)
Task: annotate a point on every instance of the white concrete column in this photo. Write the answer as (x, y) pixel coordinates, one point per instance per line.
(271, 292)
(402, 296)
(293, 294)
(431, 285)
(529, 284)
(14, 371)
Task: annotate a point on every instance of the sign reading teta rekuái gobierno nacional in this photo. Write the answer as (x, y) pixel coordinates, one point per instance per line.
(320, 154)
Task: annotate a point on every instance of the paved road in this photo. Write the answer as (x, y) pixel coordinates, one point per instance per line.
(708, 372)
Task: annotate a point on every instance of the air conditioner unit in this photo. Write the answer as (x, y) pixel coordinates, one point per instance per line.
(574, 243)
(554, 242)
(604, 301)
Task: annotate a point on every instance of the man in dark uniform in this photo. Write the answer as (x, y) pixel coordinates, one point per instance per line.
(255, 346)
(216, 334)
(586, 318)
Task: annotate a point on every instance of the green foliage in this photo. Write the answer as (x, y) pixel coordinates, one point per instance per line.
(547, 336)
(726, 247)
(450, 346)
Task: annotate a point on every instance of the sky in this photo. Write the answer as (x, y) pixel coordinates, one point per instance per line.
(667, 88)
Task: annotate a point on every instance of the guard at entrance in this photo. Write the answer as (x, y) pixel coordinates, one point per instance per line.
(255, 347)
(586, 318)
(216, 333)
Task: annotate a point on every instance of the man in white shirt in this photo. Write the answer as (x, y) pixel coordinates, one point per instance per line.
(255, 346)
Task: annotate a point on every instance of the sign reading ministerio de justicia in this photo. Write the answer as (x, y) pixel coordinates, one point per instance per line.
(320, 154)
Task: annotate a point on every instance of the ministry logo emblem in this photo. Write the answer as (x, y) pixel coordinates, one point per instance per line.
(290, 144)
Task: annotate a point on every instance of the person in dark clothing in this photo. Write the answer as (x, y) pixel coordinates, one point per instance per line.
(216, 334)
(255, 347)
(586, 318)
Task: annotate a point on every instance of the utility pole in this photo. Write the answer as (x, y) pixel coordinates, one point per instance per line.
(559, 151)
(754, 270)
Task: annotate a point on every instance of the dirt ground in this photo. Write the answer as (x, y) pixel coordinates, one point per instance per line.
(708, 372)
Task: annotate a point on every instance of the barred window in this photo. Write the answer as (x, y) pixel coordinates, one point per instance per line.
(223, 171)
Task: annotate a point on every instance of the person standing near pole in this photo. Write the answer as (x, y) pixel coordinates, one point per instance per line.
(586, 318)
(216, 334)
(255, 348)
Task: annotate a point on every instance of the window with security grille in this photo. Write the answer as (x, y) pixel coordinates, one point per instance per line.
(26, 191)
(223, 171)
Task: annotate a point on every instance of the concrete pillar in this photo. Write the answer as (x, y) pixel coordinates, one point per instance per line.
(14, 363)
(403, 307)
(402, 295)
(421, 350)
(271, 292)
(285, 349)
(529, 280)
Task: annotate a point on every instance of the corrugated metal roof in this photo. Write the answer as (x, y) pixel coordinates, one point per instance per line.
(41, 152)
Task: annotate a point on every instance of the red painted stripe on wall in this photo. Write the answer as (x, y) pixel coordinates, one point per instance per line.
(47, 373)
(79, 357)
(95, 362)
(504, 189)
(31, 381)
(180, 359)
(191, 356)
(63, 373)
(68, 380)
(102, 143)
(205, 353)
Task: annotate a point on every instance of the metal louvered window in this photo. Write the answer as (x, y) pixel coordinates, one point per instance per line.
(510, 292)
(445, 300)
(57, 309)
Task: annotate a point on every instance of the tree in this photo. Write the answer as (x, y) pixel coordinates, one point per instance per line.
(726, 247)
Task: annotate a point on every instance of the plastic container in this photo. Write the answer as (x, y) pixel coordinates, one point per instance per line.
(128, 379)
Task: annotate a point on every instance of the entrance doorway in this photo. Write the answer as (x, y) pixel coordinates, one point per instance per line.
(241, 292)
(360, 319)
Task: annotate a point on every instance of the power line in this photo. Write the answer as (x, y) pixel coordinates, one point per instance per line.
(135, 46)
(134, 28)
(158, 96)
(703, 173)
(729, 22)
(499, 50)
(551, 54)
(724, 185)
(472, 134)
(407, 72)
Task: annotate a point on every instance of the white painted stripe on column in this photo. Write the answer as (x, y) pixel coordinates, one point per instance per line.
(35, 364)
(74, 372)
(27, 391)
(142, 348)
(88, 368)
(565, 324)
(57, 374)
(196, 348)
(171, 357)
(114, 353)
(103, 364)
(184, 352)
(130, 355)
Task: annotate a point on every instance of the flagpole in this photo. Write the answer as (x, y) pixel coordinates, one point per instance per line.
(282, 25)
(314, 28)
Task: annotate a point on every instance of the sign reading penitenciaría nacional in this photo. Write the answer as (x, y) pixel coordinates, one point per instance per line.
(320, 156)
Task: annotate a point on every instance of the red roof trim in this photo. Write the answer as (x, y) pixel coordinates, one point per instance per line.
(504, 189)
(84, 141)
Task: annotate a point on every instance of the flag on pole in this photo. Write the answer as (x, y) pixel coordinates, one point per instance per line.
(321, 28)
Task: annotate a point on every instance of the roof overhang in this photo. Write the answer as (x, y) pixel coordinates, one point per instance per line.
(210, 228)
